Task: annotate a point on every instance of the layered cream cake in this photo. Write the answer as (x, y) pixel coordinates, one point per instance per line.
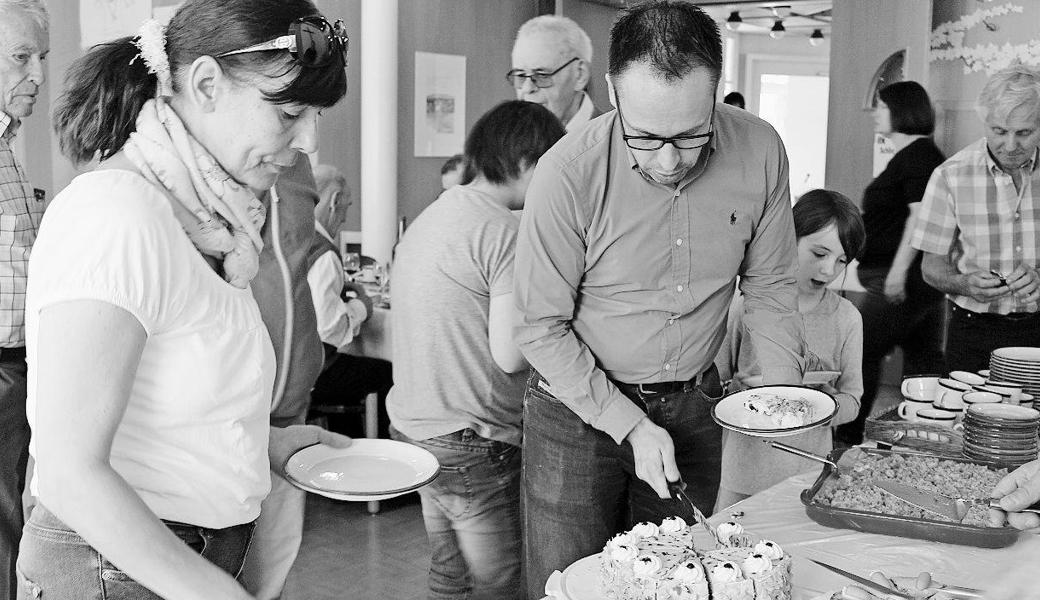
(766, 410)
(652, 562)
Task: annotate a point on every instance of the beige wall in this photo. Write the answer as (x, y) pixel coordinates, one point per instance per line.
(480, 29)
(863, 34)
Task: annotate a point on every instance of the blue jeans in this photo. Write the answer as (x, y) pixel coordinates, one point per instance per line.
(472, 517)
(580, 487)
(14, 455)
(55, 562)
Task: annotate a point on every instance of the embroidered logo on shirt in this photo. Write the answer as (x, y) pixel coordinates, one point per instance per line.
(733, 218)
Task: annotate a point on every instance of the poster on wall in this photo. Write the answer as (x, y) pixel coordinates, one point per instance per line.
(105, 20)
(440, 104)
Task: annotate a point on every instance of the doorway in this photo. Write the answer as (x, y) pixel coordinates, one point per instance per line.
(791, 92)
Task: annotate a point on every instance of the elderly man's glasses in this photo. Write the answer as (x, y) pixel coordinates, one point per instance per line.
(653, 142)
(540, 79)
(312, 41)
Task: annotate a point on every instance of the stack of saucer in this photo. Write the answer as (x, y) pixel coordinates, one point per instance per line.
(1002, 435)
(1019, 365)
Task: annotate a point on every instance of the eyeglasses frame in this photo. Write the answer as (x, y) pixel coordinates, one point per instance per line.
(520, 73)
(666, 140)
(336, 35)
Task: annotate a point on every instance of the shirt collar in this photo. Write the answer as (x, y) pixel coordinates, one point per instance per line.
(994, 167)
(694, 172)
(583, 115)
(321, 230)
(8, 125)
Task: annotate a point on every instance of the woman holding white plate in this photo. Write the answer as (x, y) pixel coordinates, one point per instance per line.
(150, 369)
(830, 234)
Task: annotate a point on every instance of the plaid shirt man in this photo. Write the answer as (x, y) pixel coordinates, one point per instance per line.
(972, 212)
(20, 214)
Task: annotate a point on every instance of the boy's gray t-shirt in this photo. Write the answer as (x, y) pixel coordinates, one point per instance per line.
(456, 256)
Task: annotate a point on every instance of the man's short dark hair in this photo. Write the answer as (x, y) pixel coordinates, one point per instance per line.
(672, 37)
(509, 138)
(734, 99)
(910, 110)
(451, 164)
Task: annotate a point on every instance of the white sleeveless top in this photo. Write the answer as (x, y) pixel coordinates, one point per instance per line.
(193, 440)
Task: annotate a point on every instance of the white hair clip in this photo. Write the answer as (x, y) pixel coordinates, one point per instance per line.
(151, 41)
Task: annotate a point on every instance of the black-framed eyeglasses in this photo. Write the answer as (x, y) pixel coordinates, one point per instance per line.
(540, 79)
(653, 142)
(312, 41)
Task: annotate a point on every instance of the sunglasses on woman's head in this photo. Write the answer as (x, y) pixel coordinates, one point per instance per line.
(312, 41)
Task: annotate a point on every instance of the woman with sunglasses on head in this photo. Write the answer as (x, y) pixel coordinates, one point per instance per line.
(151, 371)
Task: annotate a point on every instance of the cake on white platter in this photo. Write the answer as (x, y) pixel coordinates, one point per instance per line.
(660, 562)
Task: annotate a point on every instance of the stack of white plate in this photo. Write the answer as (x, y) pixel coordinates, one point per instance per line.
(1017, 364)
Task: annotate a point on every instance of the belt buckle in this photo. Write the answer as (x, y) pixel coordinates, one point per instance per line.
(645, 392)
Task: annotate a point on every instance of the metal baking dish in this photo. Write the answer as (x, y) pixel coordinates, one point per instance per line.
(924, 529)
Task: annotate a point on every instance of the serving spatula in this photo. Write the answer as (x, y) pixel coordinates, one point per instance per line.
(940, 504)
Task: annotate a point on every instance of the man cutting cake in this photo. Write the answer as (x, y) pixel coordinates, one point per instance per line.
(634, 232)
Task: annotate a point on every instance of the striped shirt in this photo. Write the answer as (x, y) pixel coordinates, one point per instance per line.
(20, 214)
(972, 211)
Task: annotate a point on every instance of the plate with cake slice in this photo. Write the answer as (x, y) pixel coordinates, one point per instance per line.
(775, 410)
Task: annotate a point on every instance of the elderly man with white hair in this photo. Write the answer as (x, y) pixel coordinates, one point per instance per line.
(551, 60)
(979, 225)
(24, 41)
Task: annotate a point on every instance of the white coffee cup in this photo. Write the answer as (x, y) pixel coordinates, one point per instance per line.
(936, 416)
(908, 409)
(948, 392)
(919, 387)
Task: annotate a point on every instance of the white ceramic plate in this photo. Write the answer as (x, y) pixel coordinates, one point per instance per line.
(810, 378)
(1019, 353)
(580, 580)
(368, 469)
(731, 414)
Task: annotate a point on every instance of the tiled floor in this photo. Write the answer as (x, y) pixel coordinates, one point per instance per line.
(349, 554)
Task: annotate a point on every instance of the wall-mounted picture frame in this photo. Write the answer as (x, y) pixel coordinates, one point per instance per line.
(440, 104)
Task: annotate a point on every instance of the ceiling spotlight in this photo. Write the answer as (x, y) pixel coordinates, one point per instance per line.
(778, 30)
(734, 21)
(816, 38)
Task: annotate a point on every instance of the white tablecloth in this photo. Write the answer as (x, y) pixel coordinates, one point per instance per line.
(777, 514)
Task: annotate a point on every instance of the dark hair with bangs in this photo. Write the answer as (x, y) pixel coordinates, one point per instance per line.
(508, 138)
(910, 110)
(817, 209)
(106, 89)
(672, 37)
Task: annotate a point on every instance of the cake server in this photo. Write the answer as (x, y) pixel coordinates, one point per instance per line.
(677, 489)
(939, 504)
(888, 592)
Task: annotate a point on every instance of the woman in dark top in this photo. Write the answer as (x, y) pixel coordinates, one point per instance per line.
(900, 309)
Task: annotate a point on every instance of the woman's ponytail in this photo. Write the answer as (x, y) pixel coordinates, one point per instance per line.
(104, 92)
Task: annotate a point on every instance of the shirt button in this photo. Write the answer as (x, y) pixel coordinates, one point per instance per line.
(678, 242)
(667, 367)
(1018, 248)
(671, 321)
(679, 288)
(1018, 216)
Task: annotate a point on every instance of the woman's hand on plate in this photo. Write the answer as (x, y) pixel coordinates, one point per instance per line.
(286, 441)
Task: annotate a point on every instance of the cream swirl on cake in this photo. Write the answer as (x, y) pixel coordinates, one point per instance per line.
(672, 525)
(757, 563)
(726, 572)
(644, 530)
(646, 565)
(769, 549)
(689, 572)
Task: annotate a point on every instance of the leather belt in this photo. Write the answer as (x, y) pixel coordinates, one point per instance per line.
(647, 390)
(12, 354)
(1020, 316)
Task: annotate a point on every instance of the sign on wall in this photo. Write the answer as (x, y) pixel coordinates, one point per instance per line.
(440, 104)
